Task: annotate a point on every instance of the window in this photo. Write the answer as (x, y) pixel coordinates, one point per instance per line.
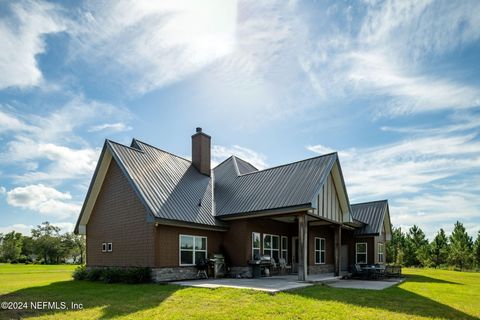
(192, 249)
(380, 253)
(319, 250)
(104, 247)
(284, 254)
(271, 246)
(255, 246)
(361, 252)
(110, 247)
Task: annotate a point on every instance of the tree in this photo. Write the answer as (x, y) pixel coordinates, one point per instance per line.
(415, 251)
(11, 246)
(80, 245)
(28, 248)
(461, 246)
(396, 247)
(73, 246)
(439, 249)
(47, 242)
(476, 250)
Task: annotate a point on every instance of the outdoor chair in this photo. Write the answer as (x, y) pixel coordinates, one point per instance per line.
(358, 272)
(273, 265)
(282, 263)
(393, 271)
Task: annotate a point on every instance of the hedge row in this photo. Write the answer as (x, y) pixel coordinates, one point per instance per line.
(114, 275)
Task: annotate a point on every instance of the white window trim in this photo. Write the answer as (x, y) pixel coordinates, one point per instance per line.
(260, 243)
(282, 249)
(319, 250)
(381, 252)
(191, 250)
(109, 247)
(271, 249)
(104, 247)
(366, 251)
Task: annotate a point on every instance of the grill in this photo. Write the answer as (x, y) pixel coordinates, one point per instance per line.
(264, 263)
(218, 265)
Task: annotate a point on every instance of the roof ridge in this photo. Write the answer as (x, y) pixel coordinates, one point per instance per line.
(218, 165)
(367, 202)
(245, 162)
(152, 146)
(287, 164)
(121, 144)
(235, 165)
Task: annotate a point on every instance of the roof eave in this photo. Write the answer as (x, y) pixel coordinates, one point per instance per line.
(92, 182)
(266, 212)
(179, 223)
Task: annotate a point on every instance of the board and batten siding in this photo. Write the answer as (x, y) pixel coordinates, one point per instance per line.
(328, 205)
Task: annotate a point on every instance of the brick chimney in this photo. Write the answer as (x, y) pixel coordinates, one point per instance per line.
(201, 152)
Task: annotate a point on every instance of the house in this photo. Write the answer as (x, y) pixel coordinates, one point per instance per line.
(148, 207)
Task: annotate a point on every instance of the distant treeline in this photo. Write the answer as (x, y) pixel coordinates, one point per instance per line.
(45, 245)
(412, 249)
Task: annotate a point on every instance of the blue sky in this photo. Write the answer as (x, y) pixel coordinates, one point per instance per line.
(393, 86)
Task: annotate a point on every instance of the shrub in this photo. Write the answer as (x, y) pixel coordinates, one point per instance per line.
(80, 273)
(94, 274)
(138, 275)
(114, 275)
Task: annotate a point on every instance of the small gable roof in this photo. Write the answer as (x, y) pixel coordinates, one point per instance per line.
(371, 215)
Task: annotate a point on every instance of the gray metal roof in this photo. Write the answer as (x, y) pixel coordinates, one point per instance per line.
(173, 190)
(371, 214)
(169, 185)
(244, 166)
(289, 185)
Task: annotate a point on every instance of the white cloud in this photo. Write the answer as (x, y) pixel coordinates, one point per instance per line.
(43, 199)
(22, 34)
(116, 127)
(220, 153)
(2, 190)
(10, 123)
(374, 73)
(25, 229)
(320, 149)
(389, 57)
(18, 227)
(434, 211)
(167, 41)
(64, 226)
(407, 166)
(49, 148)
(63, 162)
(428, 27)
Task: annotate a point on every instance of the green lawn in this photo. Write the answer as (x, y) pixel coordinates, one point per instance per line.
(427, 294)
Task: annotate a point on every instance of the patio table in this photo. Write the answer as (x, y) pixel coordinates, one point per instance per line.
(373, 272)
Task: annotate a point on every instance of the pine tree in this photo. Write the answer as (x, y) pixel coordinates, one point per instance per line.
(416, 253)
(476, 250)
(439, 249)
(396, 247)
(461, 247)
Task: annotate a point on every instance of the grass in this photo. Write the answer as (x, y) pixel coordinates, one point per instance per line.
(427, 294)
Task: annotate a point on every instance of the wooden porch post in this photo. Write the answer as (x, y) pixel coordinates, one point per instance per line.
(338, 249)
(303, 247)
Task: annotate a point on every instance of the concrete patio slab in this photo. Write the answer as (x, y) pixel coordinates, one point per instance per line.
(365, 284)
(270, 284)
